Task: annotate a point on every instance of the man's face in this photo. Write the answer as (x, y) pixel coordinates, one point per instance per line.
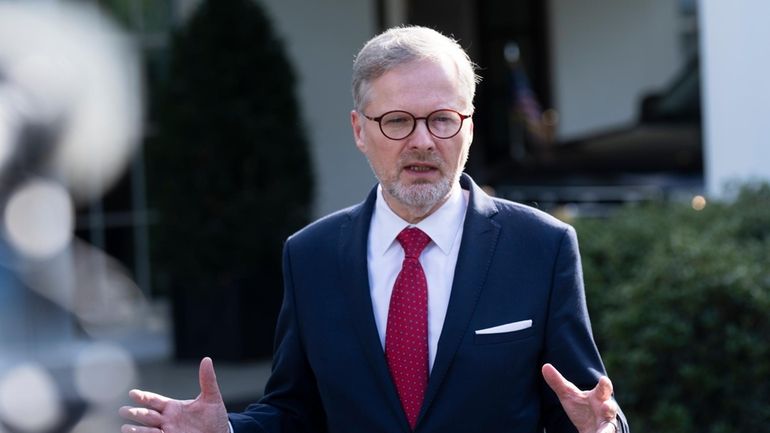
(418, 172)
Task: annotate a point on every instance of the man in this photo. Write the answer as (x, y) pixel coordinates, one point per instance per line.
(430, 307)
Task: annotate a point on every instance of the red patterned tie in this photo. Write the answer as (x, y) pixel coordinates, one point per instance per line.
(406, 335)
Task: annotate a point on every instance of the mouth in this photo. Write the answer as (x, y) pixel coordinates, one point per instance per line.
(420, 165)
(419, 168)
(421, 172)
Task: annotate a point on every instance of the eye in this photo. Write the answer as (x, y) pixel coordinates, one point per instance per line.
(396, 119)
(444, 118)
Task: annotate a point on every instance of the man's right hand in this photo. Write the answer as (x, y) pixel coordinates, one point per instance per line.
(159, 414)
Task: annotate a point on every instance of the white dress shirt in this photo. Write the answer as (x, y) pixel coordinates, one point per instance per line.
(385, 256)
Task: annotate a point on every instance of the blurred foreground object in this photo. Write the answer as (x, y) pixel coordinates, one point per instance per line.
(69, 96)
(70, 119)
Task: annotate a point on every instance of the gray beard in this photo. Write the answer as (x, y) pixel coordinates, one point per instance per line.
(421, 198)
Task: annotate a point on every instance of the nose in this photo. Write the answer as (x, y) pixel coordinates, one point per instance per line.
(421, 138)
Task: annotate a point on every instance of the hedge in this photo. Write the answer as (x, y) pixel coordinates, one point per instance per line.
(680, 303)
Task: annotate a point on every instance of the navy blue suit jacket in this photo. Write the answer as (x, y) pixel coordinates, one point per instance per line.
(515, 263)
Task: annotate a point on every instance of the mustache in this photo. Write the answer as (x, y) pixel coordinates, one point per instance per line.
(416, 157)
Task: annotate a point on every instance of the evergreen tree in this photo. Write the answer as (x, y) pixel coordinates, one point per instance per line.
(230, 177)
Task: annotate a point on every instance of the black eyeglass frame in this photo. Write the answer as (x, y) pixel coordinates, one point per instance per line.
(378, 119)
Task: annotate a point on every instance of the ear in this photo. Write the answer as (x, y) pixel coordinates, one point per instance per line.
(357, 121)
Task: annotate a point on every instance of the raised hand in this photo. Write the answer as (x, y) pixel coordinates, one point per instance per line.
(593, 411)
(159, 414)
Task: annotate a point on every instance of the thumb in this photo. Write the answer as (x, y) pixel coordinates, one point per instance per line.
(557, 382)
(604, 388)
(208, 382)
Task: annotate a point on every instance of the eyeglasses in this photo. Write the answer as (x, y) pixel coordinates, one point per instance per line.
(397, 124)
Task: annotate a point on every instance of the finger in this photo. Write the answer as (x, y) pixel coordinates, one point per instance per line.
(557, 382)
(149, 399)
(603, 389)
(208, 382)
(141, 415)
(128, 428)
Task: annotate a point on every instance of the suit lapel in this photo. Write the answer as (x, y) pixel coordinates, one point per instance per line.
(478, 245)
(353, 271)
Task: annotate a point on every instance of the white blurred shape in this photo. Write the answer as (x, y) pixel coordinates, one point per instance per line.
(98, 422)
(29, 399)
(84, 79)
(106, 293)
(90, 284)
(104, 372)
(49, 80)
(39, 218)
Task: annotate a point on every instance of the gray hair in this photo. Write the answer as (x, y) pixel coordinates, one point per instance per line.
(402, 45)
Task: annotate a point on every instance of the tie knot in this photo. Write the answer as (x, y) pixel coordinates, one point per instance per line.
(413, 241)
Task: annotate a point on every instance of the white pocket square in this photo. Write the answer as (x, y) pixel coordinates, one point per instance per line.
(508, 327)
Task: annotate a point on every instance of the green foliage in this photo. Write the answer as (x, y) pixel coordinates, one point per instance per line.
(680, 302)
(229, 168)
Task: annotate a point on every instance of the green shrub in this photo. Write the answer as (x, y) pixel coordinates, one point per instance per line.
(680, 302)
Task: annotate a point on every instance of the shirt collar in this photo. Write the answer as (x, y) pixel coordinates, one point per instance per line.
(442, 225)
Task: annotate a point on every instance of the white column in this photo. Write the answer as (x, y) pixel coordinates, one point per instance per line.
(735, 63)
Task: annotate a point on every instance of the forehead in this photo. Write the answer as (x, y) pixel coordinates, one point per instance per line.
(418, 86)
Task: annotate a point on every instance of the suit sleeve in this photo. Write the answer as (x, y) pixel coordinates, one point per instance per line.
(569, 344)
(291, 403)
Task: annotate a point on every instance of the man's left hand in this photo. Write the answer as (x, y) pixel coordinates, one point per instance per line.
(593, 411)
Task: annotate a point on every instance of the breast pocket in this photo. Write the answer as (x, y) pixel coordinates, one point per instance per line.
(506, 332)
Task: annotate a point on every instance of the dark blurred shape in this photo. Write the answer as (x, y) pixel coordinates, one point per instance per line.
(230, 177)
(667, 137)
(529, 126)
(662, 151)
(679, 103)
